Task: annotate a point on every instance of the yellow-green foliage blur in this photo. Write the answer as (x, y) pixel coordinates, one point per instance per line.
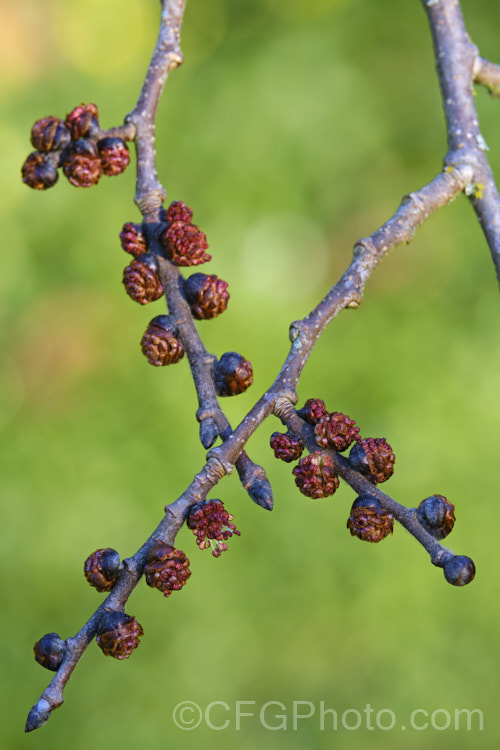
(292, 129)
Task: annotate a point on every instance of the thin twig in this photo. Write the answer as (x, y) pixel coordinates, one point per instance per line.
(252, 476)
(166, 531)
(487, 74)
(407, 517)
(347, 293)
(149, 198)
(126, 132)
(167, 56)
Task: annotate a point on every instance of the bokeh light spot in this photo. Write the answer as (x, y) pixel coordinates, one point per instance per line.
(120, 35)
(203, 29)
(300, 11)
(279, 245)
(22, 47)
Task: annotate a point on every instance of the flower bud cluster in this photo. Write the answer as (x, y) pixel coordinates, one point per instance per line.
(77, 146)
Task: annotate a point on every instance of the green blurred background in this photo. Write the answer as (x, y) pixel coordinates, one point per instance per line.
(293, 128)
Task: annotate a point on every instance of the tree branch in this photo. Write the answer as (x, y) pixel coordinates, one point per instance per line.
(407, 517)
(347, 293)
(252, 476)
(414, 209)
(167, 56)
(456, 62)
(133, 567)
(149, 198)
(466, 168)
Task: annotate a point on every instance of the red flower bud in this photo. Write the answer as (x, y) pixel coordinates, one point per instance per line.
(178, 211)
(313, 410)
(160, 344)
(81, 163)
(167, 568)
(233, 374)
(132, 239)
(207, 295)
(315, 475)
(49, 134)
(141, 280)
(39, 172)
(185, 244)
(369, 521)
(83, 121)
(286, 446)
(114, 155)
(118, 635)
(336, 431)
(373, 457)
